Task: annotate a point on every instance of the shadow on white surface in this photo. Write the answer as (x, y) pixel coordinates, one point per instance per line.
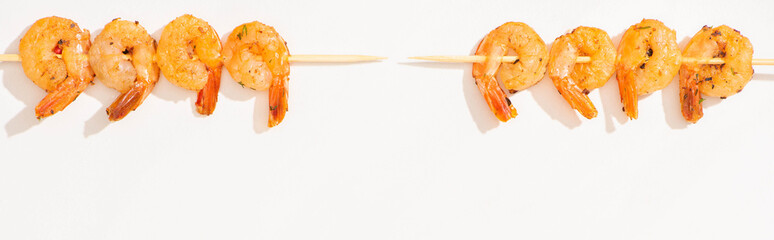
(611, 98)
(762, 76)
(611, 105)
(552, 103)
(671, 105)
(167, 91)
(99, 121)
(479, 111)
(232, 90)
(261, 112)
(22, 89)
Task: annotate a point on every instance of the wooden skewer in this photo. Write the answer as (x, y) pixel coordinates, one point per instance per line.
(334, 58)
(292, 58)
(10, 57)
(582, 59)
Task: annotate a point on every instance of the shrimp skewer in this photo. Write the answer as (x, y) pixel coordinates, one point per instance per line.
(64, 79)
(123, 59)
(256, 56)
(293, 58)
(518, 75)
(580, 59)
(189, 56)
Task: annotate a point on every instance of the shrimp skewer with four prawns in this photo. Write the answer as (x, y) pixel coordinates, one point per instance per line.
(717, 62)
(58, 56)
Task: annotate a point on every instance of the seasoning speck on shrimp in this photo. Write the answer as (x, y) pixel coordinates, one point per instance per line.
(525, 72)
(123, 59)
(713, 80)
(575, 80)
(648, 58)
(256, 56)
(189, 57)
(63, 78)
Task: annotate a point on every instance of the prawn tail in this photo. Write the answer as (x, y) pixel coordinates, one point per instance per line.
(278, 100)
(208, 96)
(64, 93)
(628, 96)
(496, 98)
(690, 99)
(576, 98)
(129, 101)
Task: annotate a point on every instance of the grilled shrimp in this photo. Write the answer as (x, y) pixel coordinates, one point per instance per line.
(575, 80)
(648, 58)
(63, 78)
(525, 72)
(189, 57)
(256, 56)
(713, 80)
(123, 59)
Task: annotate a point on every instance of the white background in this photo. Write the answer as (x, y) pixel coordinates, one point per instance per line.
(391, 150)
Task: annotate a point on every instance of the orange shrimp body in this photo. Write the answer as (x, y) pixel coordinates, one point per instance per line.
(713, 80)
(527, 71)
(63, 78)
(648, 58)
(575, 80)
(189, 57)
(256, 56)
(122, 57)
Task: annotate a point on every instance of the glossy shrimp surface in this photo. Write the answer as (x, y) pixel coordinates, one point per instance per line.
(63, 78)
(122, 56)
(574, 80)
(648, 58)
(715, 80)
(256, 56)
(189, 57)
(529, 69)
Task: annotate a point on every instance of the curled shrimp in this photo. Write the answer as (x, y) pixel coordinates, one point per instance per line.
(63, 78)
(575, 80)
(189, 57)
(256, 56)
(714, 80)
(123, 59)
(525, 72)
(648, 58)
